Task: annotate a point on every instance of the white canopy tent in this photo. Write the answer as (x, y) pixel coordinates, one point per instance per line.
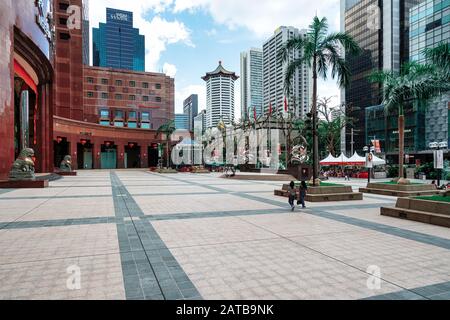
(356, 160)
(329, 161)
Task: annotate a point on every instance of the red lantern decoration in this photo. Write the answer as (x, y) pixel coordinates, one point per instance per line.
(83, 142)
(59, 139)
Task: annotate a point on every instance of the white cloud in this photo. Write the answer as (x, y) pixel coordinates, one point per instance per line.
(158, 32)
(262, 17)
(170, 69)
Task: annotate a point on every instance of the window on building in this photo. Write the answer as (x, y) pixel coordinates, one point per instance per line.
(90, 80)
(104, 113)
(132, 124)
(145, 116)
(132, 97)
(64, 36)
(145, 85)
(158, 99)
(104, 95)
(118, 96)
(63, 21)
(104, 122)
(145, 98)
(104, 81)
(131, 114)
(119, 83)
(132, 83)
(63, 6)
(90, 94)
(145, 125)
(118, 114)
(118, 123)
(158, 86)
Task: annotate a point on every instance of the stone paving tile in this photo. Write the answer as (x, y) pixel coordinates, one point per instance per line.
(193, 203)
(181, 233)
(297, 223)
(269, 269)
(405, 262)
(72, 207)
(100, 278)
(169, 190)
(37, 244)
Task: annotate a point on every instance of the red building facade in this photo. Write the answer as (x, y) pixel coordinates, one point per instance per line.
(105, 118)
(26, 83)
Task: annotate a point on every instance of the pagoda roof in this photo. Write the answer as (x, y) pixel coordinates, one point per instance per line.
(220, 70)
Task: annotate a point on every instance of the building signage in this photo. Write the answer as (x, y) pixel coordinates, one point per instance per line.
(439, 159)
(369, 160)
(43, 17)
(119, 16)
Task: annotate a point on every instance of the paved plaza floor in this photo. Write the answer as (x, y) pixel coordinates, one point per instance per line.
(140, 235)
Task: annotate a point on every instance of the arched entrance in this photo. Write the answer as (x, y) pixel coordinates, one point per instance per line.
(61, 148)
(153, 155)
(108, 155)
(132, 157)
(85, 154)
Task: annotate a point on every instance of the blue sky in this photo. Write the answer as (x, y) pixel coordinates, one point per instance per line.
(187, 38)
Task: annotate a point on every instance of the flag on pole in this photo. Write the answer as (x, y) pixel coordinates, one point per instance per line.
(286, 106)
(270, 108)
(254, 113)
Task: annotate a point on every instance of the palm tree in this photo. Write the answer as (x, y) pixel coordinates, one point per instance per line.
(413, 83)
(320, 51)
(167, 128)
(440, 57)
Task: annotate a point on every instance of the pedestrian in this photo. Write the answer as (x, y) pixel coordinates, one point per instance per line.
(291, 194)
(302, 194)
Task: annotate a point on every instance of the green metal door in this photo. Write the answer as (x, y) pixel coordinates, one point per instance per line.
(109, 159)
(87, 159)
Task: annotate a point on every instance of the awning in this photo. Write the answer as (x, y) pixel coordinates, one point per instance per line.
(332, 161)
(356, 160)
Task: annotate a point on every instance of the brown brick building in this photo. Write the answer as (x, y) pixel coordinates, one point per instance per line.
(105, 118)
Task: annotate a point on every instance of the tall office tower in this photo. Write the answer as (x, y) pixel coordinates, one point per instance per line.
(381, 28)
(200, 124)
(274, 75)
(251, 82)
(116, 44)
(219, 96)
(430, 26)
(85, 31)
(190, 108)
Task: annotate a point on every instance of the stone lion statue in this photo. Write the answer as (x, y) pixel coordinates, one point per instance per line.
(23, 167)
(66, 164)
(299, 153)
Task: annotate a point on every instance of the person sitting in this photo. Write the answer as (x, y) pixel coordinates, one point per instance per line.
(434, 183)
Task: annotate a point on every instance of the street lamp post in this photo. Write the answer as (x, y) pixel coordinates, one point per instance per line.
(369, 156)
(438, 158)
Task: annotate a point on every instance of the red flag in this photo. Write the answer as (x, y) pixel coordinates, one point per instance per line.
(270, 108)
(254, 113)
(286, 104)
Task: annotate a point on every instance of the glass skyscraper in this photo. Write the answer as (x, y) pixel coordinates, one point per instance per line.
(116, 44)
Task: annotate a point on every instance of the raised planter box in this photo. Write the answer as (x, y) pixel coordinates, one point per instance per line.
(325, 194)
(68, 174)
(431, 212)
(400, 190)
(36, 184)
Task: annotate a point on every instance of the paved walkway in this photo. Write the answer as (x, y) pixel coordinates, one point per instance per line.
(139, 235)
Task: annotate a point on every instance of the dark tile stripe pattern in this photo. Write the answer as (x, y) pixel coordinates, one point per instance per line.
(440, 291)
(149, 269)
(322, 212)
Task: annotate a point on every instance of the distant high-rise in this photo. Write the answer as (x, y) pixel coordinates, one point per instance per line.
(219, 96)
(274, 75)
(381, 28)
(85, 31)
(181, 121)
(190, 108)
(116, 44)
(251, 82)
